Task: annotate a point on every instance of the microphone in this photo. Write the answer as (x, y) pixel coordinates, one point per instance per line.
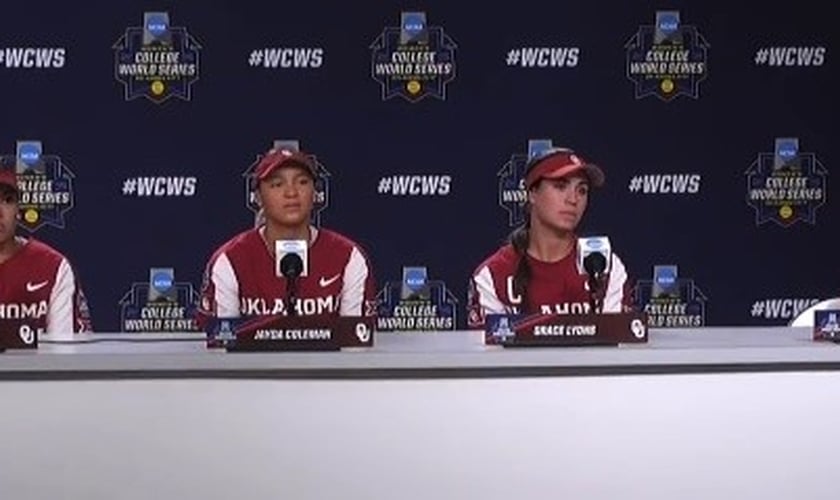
(291, 259)
(291, 267)
(593, 257)
(595, 263)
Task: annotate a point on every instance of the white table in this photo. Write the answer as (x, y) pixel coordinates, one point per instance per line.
(423, 354)
(693, 414)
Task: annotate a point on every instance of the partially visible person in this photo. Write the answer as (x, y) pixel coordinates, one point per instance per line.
(240, 279)
(39, 291)
(536, 271)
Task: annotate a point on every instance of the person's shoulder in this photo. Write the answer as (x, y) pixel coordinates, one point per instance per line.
(618, 266)
(237, 243)
(617, 259)
(36, 249)
(502, 258)
(333, 239)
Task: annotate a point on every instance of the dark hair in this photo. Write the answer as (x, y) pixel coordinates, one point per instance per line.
(520, 238)
(8, 192)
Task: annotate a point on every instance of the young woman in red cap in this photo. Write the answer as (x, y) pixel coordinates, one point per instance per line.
(536, 272)
(39, 290)
(241, 279)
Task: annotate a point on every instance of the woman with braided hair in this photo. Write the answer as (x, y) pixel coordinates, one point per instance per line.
(536, 271)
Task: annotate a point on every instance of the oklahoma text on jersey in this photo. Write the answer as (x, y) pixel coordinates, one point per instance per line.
(241, 281)
(554, 287)
(39, 293)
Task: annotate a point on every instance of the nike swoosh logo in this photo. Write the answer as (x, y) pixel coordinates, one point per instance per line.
(327, 282)
(34, 287)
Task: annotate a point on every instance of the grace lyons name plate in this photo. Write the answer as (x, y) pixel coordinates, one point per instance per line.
(565, 329)
(291, 333)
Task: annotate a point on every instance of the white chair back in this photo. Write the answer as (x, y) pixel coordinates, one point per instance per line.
(806, 317)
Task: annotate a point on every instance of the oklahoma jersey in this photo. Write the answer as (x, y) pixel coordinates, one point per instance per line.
(553, 288)
(39, 293)
(240, 280)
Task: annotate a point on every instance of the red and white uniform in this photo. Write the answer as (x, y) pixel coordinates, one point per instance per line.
(240, 280)
(40, 292)
(554, 288)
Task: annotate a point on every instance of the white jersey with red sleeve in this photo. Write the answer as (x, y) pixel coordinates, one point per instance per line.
(553, 288)
(240, 280)
(40, 293)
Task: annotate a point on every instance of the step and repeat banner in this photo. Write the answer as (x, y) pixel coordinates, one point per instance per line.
(135, 127)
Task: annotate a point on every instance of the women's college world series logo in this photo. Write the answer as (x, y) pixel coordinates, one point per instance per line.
(671, 301)
(156, 61)
(413, 61)
(159, 305)
(45, 186)
(668, 59)
(416, 303)
(786, 186)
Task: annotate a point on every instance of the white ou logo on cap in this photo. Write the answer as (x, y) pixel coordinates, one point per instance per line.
(575, 159)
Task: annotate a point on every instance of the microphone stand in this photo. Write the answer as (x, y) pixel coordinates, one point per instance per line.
(595, 295)
(291, 294)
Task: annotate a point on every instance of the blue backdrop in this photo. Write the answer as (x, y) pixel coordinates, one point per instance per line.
(467, 124)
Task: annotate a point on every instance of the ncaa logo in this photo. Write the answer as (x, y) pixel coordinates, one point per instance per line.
(414, 23)
(415, 279)
(157, 25)
(162, 282)
(29, 154)
(669, 23)
(666, 277)
(787, 150)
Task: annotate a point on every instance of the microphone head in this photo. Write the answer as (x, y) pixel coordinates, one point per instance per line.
(595, 263)
(291, 265)
(599, 245)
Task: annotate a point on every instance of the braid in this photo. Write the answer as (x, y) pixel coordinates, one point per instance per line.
(520, 239)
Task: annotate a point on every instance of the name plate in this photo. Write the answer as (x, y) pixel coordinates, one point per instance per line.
(566, 329)
(827, 325)
(17, 335)
(291, 333)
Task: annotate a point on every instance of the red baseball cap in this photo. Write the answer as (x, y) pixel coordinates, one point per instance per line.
(279, 158)
(9, 178)
(555, 163)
